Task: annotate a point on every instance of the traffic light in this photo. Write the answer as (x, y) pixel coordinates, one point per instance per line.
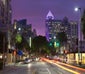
(56, 44)
(50, 44)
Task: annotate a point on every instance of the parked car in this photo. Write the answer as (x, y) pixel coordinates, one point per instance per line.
(27, 60)
(49, 57)
(56, 58)
(37, 59)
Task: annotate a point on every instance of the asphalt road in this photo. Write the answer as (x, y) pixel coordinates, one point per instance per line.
(34, 68)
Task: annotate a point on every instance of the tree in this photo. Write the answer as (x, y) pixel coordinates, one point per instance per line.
(18, 41)
(22, 43)
(40, 44)
(18, 38)
(83, 23)
(62, 37)
(25, 44)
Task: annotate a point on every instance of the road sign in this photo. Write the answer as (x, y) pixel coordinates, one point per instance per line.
(20, 52)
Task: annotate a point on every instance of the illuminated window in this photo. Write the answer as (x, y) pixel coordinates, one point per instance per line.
(58, 24)
(50, 38)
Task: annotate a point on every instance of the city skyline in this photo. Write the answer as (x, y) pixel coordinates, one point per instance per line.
(36, 11)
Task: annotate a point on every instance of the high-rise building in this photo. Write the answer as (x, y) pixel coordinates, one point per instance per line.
(67, 27)
(71, 30)
(1, 12)
(74, 35)
(5, 14)
(74, 29)
(5, 18)
(5, 27)
(34, 33)
(53, 26)
(21, 27)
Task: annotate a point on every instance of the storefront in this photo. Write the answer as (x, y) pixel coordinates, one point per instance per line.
(73, 58)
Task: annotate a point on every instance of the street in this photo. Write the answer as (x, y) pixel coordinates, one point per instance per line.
(34, 68)
(42, 36)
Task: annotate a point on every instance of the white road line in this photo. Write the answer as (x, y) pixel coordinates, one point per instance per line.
(48, 71)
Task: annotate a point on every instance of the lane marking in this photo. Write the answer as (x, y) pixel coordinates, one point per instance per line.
(61, 66)
(67, 69)
(48, 71)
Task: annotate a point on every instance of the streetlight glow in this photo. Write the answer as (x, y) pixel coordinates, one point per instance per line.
(19, 29)
(76, 9)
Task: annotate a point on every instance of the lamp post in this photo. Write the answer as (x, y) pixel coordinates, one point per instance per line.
(79, 35)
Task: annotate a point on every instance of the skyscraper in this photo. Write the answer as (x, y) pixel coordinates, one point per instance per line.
(67, 27)
(74, 29)
(53, 26)
(5, 26)
(24, 29)
(6, 14)
(74, 34)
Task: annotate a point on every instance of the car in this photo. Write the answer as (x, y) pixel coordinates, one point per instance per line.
(49, 57)
(37, 59)
(56, 58)
(27, 60)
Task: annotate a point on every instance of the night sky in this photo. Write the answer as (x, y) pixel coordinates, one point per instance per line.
(35, 11)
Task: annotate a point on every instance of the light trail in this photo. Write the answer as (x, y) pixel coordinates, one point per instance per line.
(66, 69)
(74, 72)
(81, 69)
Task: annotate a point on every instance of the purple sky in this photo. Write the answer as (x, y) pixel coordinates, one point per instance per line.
(35, 11)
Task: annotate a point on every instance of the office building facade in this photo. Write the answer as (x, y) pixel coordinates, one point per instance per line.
(5, 15)
(53, 27)
(24, 29)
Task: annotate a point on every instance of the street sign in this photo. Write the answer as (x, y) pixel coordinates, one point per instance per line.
(20, 52)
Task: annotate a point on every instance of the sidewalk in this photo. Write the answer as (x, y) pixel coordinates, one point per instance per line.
(8, 67)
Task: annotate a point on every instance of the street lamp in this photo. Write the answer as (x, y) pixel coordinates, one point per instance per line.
(19, 29)
(76, 9)
(79, 34)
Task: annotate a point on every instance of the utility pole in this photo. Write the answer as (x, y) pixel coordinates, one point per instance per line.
(79, 37)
